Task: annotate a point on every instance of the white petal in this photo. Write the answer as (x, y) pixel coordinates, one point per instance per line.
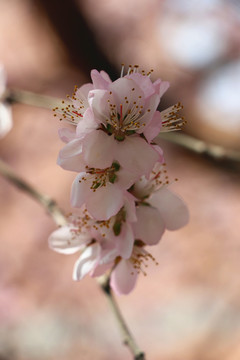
(5, 120)
(86, 262)
(173, 210)
(149, 226)
(136, 155)
(65, 241)
(123, 277)
(98, 149)
(70, 156)
(105, 202)
(80, 190)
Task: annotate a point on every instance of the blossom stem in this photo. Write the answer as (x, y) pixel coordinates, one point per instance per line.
(128, 339)
(48, 203)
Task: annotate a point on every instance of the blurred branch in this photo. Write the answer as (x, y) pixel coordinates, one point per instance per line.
(48, 203)
(30, 98)
(128, 339)
(57, 215)
(201, 147)
(198, 146)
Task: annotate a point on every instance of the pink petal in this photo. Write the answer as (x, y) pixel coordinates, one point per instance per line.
(149, 226)
(83, 91)
(86, 124)
(123, 277)
(64, 241)
(144, 83)
(125, 179)
(70, 157)
(124, 87)
(161, 87)
(147, 117)
(105, 202)
(153, 127)
(82, 96)
(129, 206)
(86, 261)
(101, 269)
(98, 149)
(172, 209)
(98, 101)
(105, 76)
(160, 152)
(136, 155)
(125, 240)
(100, 80)
(66, 134)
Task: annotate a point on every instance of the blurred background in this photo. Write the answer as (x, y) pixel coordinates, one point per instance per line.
(188, 307)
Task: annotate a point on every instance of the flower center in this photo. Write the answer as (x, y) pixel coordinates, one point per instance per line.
(100, 177)
(127, 118)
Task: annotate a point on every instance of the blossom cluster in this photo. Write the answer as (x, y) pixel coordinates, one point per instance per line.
(121, 187)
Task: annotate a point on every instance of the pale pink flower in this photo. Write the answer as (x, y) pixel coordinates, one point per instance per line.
(125, 272)
(159, 209)
(110, 116)
(100, 242)
(103, 191)
(69, 240)
(5, 110)
(73, 109)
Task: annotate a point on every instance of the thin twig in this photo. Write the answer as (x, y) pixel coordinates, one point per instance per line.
(127, 337)
(189, 142)
(57, 215)
(201, 147)
(29, 98)
(48, 203)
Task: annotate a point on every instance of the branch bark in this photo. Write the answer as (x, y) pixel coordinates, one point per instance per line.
(49, 204)
(127, 337)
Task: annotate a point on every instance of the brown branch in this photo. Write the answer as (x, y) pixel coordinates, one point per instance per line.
(48, 203)
(200, 147)
(29, 98)
(127, 337)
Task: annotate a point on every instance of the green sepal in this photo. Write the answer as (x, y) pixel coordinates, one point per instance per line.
(116, 166)
(119, 137)
(117, 228)
(112, 178)
(130, 132)
(109, 128)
